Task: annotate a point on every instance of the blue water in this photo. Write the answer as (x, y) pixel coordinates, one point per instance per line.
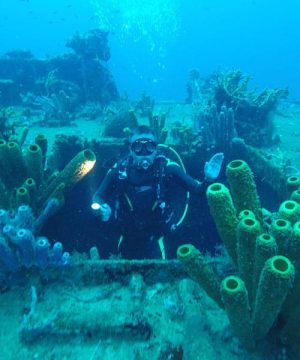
(155, 43)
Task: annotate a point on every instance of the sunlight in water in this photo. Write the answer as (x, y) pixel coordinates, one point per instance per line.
(155, 22)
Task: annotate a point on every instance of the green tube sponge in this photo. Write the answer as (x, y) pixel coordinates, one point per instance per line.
(34, 161)
(246, 214)
(293, 183)
(281, 230)
(265, 248)
(22, 196)
(243, 188)
(289, 210)
(235, 298)
(248, 230)
(201, 272)
(275, 281)
(295, 196)
(73, 172)
(16, 163)
(224, 214)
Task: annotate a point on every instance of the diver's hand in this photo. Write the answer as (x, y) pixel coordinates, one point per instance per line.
(103, 211)
(213, 166)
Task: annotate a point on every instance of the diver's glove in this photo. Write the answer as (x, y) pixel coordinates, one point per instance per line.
(213, 166)
(103, 211)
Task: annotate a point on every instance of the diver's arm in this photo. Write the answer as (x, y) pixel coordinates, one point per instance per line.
(185, 180)
(99, 205)
(107, 185)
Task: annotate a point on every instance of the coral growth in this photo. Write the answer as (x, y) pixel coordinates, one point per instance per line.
(249, 112)
(265, 285)
(65, 82)
(25, 180)
(7, 123)
(252, 108)
(217, 128)
(92, 45)
(19, 247)
(144, 105)
(185, 138)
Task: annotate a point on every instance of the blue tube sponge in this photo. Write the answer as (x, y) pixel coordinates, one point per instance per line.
(3, 217)
(24, 241)
(19, 245)
(49, 210)
(9, 232)
(24, 218)
(42, 252)
(65, 259)
(7, 258)
(56, 253)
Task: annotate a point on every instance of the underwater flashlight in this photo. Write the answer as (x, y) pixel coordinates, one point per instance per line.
(95, 206)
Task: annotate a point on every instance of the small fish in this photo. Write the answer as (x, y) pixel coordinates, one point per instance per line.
(144, 188)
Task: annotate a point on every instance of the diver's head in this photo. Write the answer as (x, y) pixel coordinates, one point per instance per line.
(143, 146)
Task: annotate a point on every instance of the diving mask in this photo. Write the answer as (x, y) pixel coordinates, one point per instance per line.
(142, 147)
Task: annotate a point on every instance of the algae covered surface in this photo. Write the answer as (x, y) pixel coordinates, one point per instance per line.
(113, 310)
(123, 309)
(67, 118)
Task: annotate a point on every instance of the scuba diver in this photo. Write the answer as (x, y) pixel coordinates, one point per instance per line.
(135, 195)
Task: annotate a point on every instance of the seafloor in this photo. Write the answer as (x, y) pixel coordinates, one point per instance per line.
(117, 309)
(126, 309)
(286, 121)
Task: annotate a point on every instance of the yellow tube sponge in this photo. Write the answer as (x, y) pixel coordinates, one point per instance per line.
(73, 172)
(42, 142)
(296, 196)
(243, 188)
(4, 165)
(224, 214)
(22, 196)
(30, 185)
(235, 298)
(265, 248)
(294, 244)
(16, 163)
(293, 183)
(290, 334)
(289, 210)
(281, 230)
(34, 161)
(248, 230)
(246, 214)
(77, 168)
(275, 281)
(200, 271)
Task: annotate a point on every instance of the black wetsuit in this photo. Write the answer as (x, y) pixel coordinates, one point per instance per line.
(141, 204)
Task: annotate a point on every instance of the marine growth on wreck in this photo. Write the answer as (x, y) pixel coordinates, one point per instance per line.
(226, 283)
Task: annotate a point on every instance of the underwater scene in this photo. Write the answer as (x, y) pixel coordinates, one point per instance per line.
(149, 180)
